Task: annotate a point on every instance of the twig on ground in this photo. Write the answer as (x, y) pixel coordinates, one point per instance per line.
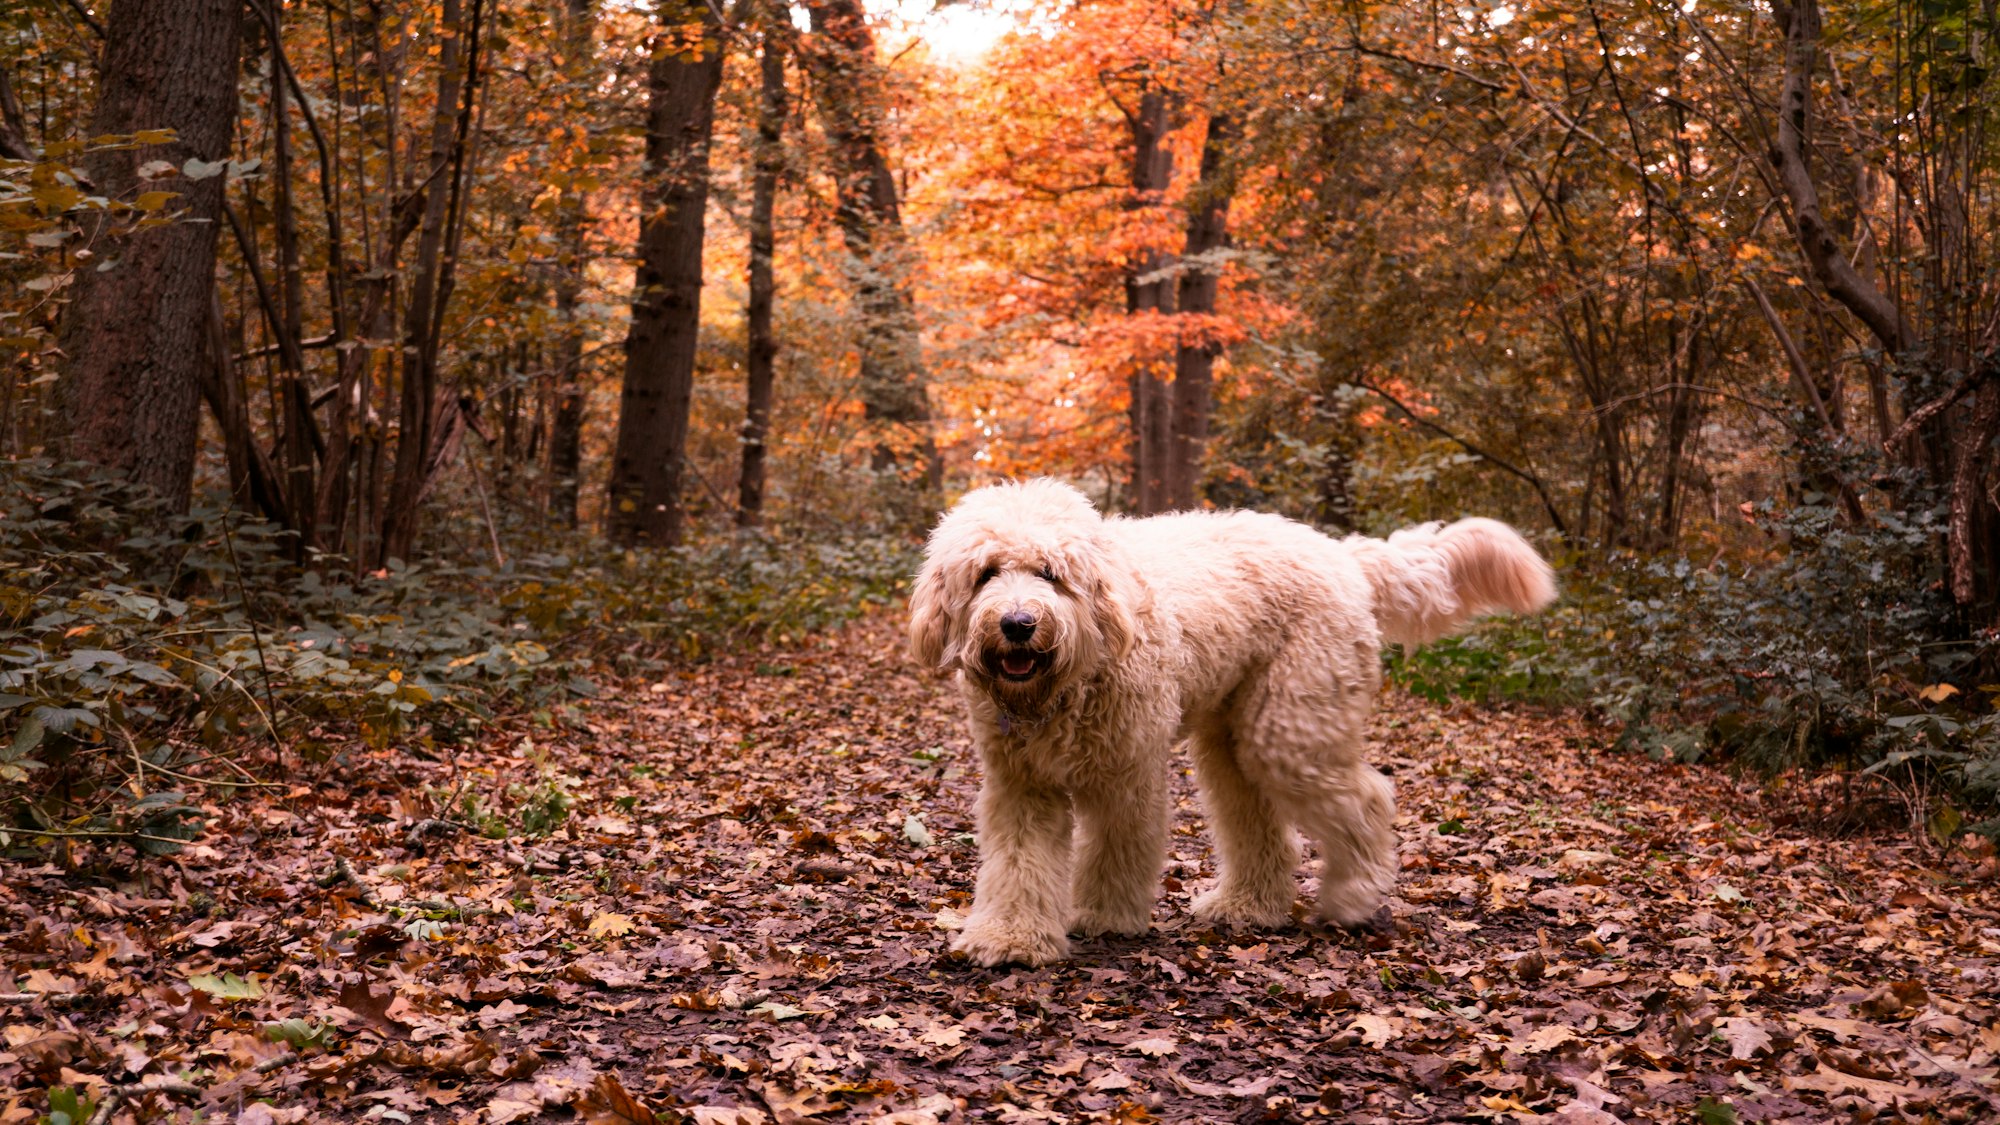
(343, 872)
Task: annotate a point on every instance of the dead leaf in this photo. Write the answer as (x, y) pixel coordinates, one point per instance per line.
(1546, 1038)
(1745, 1036)
(610, 925)
(1375, 1031)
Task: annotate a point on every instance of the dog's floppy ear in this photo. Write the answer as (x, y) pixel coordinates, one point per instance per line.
(933, 606)
(1115, 599)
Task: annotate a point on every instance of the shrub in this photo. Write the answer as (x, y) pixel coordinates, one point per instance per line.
(1837, 649)
(144, 649)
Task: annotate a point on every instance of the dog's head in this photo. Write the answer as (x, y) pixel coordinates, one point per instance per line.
(1021, 590)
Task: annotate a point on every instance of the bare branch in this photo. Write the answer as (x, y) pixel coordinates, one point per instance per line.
(1800, 20)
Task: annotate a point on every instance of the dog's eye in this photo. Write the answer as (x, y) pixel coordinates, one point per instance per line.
(988, 575)
(1046, 575)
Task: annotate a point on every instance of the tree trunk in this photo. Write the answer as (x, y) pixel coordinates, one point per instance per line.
(651, 450)
(301, 449)
(13, 124)
(892, 385)
(137, 333)
(566, 429)
(1969, 539)
(1680, 419)
(1801, 24)
(421, 443)
(1194, 359)
(762, 347)
(1148, 291)
(252, 483)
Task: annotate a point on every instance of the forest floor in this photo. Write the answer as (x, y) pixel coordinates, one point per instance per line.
(742, 916)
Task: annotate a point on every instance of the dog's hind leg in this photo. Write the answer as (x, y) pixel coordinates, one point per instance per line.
(1257, 851)
(1353, 820)
(1121, 839)
(1299, 741)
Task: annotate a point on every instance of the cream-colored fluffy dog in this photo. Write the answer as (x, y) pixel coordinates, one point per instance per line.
(1086, 646)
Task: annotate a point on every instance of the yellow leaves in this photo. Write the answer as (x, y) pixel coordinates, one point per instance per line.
(228, 986)
(610, 925)
(1937, 693)
(153, 200)
(55, 197)
(1545, 1039)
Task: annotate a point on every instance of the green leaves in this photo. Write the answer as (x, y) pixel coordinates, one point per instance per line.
(68, 1107)
(300, 1033)
(228, 986)
(1710, 1111)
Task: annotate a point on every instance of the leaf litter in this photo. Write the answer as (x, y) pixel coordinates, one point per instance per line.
(743, 919)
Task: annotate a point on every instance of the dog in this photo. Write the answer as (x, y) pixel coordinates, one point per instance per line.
(1087, 646)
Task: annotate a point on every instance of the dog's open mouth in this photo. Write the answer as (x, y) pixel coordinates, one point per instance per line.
(1019, 664)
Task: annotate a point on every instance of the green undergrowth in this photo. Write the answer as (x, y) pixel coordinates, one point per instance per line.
(150, 661)
(1836, 648)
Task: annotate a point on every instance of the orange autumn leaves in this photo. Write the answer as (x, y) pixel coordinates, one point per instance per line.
(1033, 231)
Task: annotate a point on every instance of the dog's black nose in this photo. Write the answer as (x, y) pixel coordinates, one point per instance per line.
(1018, 627)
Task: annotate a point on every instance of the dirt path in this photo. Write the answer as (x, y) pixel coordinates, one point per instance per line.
(742, 915)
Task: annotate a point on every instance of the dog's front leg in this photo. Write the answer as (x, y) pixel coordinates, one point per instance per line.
(1021, 904)
(1121, 848)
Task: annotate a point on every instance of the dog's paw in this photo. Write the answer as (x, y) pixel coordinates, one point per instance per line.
(1359, 904)
(1360, 919)
(1221, 906)
(1091, 923)
(992, 943)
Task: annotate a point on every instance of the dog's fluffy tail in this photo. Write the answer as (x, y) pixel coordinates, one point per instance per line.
(1430, 580)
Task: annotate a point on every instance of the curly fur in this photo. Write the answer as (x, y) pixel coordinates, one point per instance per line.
(1254, 638)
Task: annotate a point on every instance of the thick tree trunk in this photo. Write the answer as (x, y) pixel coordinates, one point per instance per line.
(1148, 290)
(892, 385)
(13, 123)
(566, 427)
(137, 332)
(1194, 359)
(762, 349)
(647, 466)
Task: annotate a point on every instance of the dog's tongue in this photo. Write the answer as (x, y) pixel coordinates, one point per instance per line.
(1017, 663)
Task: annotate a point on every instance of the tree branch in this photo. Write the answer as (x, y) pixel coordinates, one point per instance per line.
(1800, 20)
(1501, 463)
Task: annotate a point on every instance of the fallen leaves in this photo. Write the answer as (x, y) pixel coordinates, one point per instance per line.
(609, 924)
(745, 921)
(228, 986)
